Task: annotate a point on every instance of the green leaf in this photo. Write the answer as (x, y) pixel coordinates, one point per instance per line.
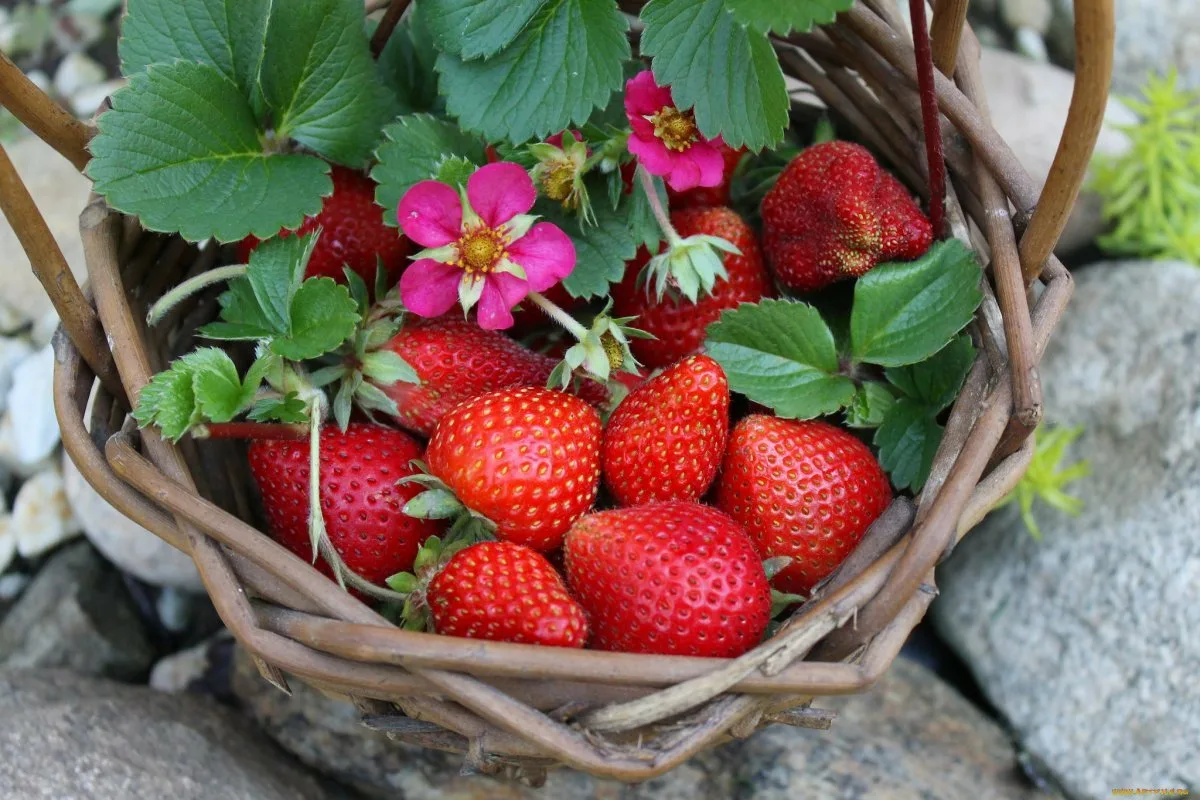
(433, 504)
(643, 224)
(323, 315)
(936, 380)
(201, 386)
(726, 73)
(565, 63)
(275, 273)
(783, 17)
(412, 151)
(871, 404)
(320, 81)
(477, 28)
(219, 391)
(780, 353)
(280, 409)
(388, 367)
(180, 149)
(455, 170)
(905, 312)
(907, 441)
(169, 402)
(601, 250)
(406, 64)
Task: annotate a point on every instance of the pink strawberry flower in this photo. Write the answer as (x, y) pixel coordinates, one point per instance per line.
(482, 246)
(666, 140)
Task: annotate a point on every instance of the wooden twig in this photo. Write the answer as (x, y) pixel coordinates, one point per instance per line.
(949, 19)
(43, 116)
(931, 120)
(391, 18)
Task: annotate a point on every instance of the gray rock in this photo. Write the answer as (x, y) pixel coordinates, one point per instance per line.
(35, 431)
(41, 518)
(77, 614)
(68, 736)
(912, 737)
(179, 671)
(12, 352)
(1086, 641)
(1028, 103)
(76, 72)
(1032, 14)
(1152, 37)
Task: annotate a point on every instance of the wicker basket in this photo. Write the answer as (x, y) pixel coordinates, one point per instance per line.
(524, 708)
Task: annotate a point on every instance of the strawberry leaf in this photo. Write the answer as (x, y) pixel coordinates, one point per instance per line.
(907, 441)
(936, 380)
(289, 408)
(406, 64)
(566, 62)
(323, 315)
(782, 18)
(387, 367)
(181, 150)
(413, 149)
(905, 312)
(645, 228)
(871, 404)
(726, 73)
(169, 402)
(200, 386)
(601, 250)
(477, 28)
(780, 353)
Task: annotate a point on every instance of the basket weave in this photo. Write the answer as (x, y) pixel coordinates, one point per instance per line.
(524, 708)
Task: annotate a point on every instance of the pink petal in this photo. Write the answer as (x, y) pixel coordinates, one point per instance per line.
(545, 253)
(709, 161)
(652, 154)
(685, 174)
(642, 127)
(429, 288)
(643, 95)
(500, 191)
(501, 292)
(430, 214)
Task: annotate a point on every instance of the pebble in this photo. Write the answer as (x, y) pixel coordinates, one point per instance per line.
(1032, 14)
(41, 517)
(12, 352)
(86, 101)
(34, 425)
(76, 72)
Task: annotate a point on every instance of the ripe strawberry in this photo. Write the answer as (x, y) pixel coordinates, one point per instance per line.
(706, 196)
(457, 360)
(806, 490)
(507, 593)
(671, 578)
(528, 459)
(666, 439)
(678, 323)
(834, 214)
(353, 233)
(359, 498)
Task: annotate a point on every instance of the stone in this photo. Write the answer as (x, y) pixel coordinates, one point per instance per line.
(125, 543)
(1031, 44)
(86, 101)
(77, 71)
(77, 614)
(1032, 14)
(41, 517)
(178, 672)
(11, 586)
(60, 193)
(911, 737)
(69, 736)
(1085, 641)
(35, 427)
(1154, 36)
(11, 320)
(12, 352)
(11, 462)
(1028, 103)
(8, 541)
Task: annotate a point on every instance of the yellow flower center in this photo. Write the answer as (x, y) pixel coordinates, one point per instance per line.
(558, 180)
(612, 349)
(480, 250)
(676, 129)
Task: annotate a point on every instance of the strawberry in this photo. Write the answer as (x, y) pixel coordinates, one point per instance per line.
(527, 459)
(806, 490)
(353, 233)
(665, 440)
(457, 360)
(507, 593)
(834, 214)
(671, 578)
(359, 496)
(678, 324)
(706, 196)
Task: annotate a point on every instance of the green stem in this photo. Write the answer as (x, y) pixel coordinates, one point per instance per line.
(190, 287)
(558, 315)
(664, 219)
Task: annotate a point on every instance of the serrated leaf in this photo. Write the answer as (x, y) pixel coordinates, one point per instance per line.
(320, 82)
(275, 273)
(783, 17)
(905, 312)
(220, 393)
(388, 367)
(454, 170)
(780, 353)
(907, 441)
(477, 28)
(180, 149)
(168, 401)
(565, 63)
(870, 405)
(412, 149)
(601, 250)
(242, 317)
(406, 64)
(936, 380)
(726, 73)
(323, 315)
(280, 409)
(642, 223)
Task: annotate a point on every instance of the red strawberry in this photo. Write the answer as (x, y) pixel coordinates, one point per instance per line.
(457, 360)
(806, 490)
(528, 459)
(359, 496)
(706, 196)
(666, 439)
(679, 324)
(353, 232)
(834, 214)
(507, 593)
(670, 578)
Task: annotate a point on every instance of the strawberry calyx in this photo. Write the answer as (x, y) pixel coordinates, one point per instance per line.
(780, 601)
(439, 501)
(559, 172)
(413, 587)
